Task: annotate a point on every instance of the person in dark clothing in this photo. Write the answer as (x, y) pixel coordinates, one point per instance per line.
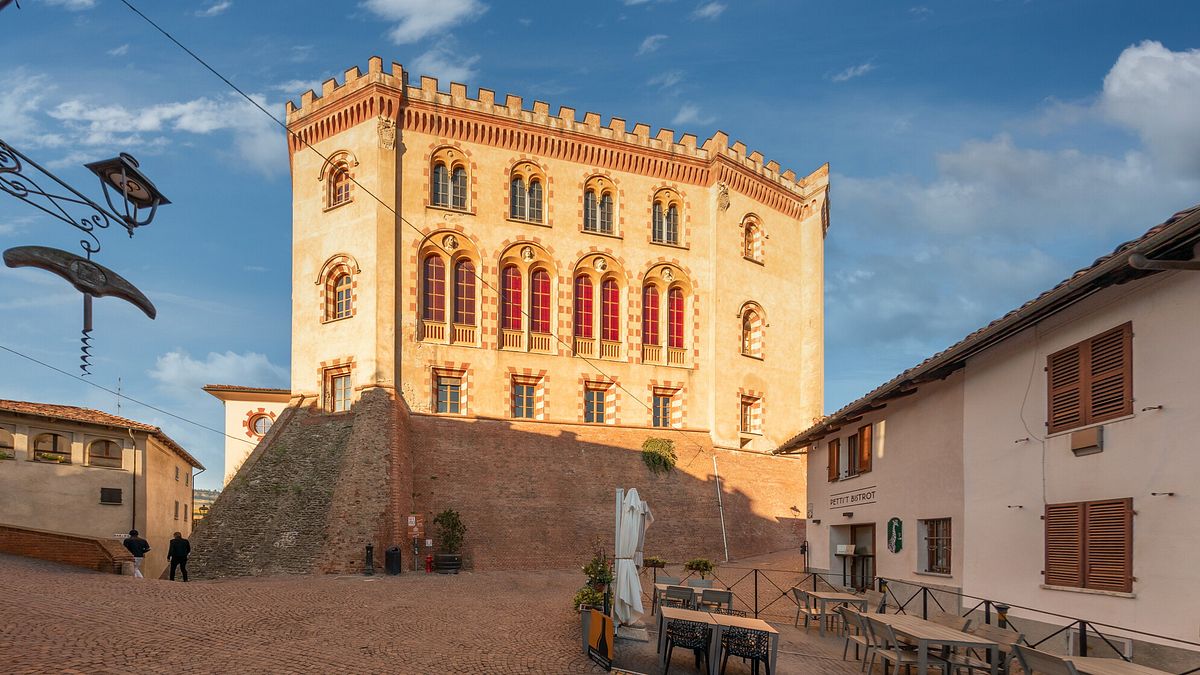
(138, 547)
(177, 555)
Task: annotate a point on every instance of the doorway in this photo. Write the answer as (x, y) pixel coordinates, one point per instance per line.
(862, 564)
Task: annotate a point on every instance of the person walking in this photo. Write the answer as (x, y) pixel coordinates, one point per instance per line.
(177, 555)
(138, 547)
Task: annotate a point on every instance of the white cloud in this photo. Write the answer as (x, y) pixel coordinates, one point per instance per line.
(119, 51)
(690, 113)
(525, 21)
(1156, 93)
(255, 268)
(446, 64)
(179, 375)
(73, 5)
(297, 87)
(709, 10)
(420, 18)
(667, 80)
(853, 72)
(920, 11)
(651, 43)
(215, 9)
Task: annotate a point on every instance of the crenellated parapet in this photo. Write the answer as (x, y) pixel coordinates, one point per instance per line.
(508, 123)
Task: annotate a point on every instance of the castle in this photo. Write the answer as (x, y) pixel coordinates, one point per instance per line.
(494, 307)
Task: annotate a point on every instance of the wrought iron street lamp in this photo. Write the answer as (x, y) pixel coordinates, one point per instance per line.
(139, 200)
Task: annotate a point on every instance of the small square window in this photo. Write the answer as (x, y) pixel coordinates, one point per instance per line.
(110, 495)
(594, 401)
(176, 510)
(749, 419)
(935, 552)
(337, 389)
(523, 394)
(449, 394)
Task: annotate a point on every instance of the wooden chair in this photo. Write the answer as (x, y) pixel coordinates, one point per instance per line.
(950, 620)
(888, 648)
(974, 659)
(857, 633)
(810, 609)
(712, 597)
(874, 600)
(1034, 661)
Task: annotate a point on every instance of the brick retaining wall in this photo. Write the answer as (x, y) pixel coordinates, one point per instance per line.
(103, 555)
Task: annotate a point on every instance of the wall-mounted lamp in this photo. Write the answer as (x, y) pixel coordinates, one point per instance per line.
(1152, 407)
(1162, 494)
(848, 514)
(1015, 506)
(1022, 440)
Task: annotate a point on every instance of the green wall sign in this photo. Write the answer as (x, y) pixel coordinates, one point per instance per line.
(895, 534)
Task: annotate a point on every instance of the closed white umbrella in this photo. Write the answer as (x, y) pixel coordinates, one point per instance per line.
(634, 517)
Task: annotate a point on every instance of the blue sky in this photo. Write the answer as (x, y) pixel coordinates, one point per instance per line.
(981, 151)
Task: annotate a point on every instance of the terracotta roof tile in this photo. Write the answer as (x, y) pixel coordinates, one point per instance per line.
(89, 416)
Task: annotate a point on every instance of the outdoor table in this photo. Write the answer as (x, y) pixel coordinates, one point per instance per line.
(724, 621)
(925, 633)
(838, 598)
(1091, 665)
(666, 614)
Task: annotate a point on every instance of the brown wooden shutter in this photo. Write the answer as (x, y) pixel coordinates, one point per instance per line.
(1108, 545)
(1064, 374)
(1064, 544)
(865, 448)
(833, 459)
(1110, 374)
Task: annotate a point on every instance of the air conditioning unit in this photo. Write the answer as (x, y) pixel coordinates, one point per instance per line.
(1096, 644)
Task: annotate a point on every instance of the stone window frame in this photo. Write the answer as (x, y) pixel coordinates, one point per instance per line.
(753, 239)
(329, 370)
(253, 416)
(527, 376)
(528, 171)
(664, 198)
(90, 459)
(453, 157)
(752, 325)
(601, 184)
(459, 372)
(334, 269)
(452, 247)
(678, 403)
(339, 163)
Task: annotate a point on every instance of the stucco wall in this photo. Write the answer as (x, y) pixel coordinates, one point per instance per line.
(1151, 451)
(239, 438)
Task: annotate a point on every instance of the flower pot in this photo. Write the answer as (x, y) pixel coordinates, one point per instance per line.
(447, 563)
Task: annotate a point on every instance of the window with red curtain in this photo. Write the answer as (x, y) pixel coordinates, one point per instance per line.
(464, 293)
(510, 291)
(539, 311)
(434, 290)
(610, 311)
(583, 306)
(650, 315)
(675, 318)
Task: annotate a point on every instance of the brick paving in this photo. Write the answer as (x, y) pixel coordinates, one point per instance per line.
(55, 618)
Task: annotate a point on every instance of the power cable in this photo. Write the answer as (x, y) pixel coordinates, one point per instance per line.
(528, 317)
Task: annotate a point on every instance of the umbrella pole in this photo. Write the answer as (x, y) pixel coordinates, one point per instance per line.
(721, 509)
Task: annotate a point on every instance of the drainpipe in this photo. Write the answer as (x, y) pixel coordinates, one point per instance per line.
(1141, 262)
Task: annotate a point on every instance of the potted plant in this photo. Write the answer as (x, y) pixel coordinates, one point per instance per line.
(598, 572)
(653, 562)
(588, 597)
(450, 538)
(701, 566)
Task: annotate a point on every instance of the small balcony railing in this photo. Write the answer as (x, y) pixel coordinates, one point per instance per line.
(463, 334)
(610, 349)
(512, 339)
(652, 353)
(433, 331)
(676, 356)
(541, 342)
(585, 346)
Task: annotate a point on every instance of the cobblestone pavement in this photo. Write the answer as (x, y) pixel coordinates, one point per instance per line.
(62, 619)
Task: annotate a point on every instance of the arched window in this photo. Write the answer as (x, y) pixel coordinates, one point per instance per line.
(665, 217)
(458, 188)
(343, 297)
(535, 201)
(539, 302)
(751, 333)
(591, 220)
(606, 214)
(52, 448)
(750, 245)
(650, 309)
(510, 300)
(434, 289)
(104, 453)
(583, 306)
(610, 311)
(516, 200)
(339, 187)
(675, 318)
(441, 185)
(464, 293)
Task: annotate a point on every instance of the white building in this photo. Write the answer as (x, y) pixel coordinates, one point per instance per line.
(249, 414)
(1046, 460)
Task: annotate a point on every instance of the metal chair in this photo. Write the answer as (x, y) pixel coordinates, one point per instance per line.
(754, 645)
(887, 647)
(677, 596)
(711, 597)
(728, 612)
(664, 579)
(657, 594)
(688, 635)
(860, 638)
(1033, 660)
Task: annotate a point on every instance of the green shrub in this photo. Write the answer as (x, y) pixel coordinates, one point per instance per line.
(451, 530)
(701, 566)
(598, 571)
(659, 455)
(5, 455)
(589, 597)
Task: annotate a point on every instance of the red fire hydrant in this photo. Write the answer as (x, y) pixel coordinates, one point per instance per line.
(429, 563)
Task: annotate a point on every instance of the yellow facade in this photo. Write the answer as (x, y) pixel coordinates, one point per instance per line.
(367, 217)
